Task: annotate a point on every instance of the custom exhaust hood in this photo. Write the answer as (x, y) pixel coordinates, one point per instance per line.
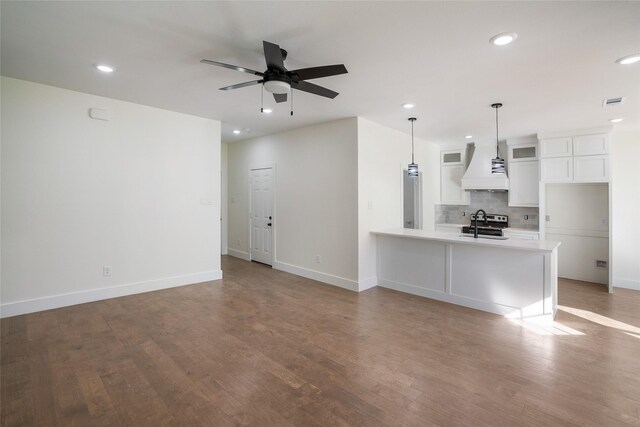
(478, 175)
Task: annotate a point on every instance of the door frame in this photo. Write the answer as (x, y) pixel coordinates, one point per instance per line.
(271, 166)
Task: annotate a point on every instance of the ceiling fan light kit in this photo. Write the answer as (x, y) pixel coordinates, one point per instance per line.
(276, 86)
(279, 81)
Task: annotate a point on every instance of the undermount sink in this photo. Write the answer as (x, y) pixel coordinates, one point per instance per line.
(485, 237)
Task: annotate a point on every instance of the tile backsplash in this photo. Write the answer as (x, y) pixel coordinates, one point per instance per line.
(492, 203)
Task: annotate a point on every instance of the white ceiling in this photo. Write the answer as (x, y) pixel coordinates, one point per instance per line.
(435, 54)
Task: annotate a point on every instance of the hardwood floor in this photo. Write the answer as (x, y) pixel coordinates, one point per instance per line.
(263, 347)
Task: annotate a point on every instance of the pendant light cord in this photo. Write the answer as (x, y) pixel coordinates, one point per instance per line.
(497, 152)
(412, 119)
(496, 106)
(412, 161)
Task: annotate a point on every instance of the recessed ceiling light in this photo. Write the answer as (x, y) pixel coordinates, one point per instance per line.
(503, 38)
(267, 110)
(616, 120)
(237, 131)
(631, 59)
(408, 105)
(105, 68)
(468, 136)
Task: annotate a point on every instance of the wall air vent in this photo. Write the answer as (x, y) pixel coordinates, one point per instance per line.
(612, 101)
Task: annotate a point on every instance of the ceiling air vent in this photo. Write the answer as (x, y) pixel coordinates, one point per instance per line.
(612, 101)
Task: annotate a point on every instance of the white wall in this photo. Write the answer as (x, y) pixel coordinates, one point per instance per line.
(579, 218)
(382, 154)
(316, 199)
(224, 220)
(626, 209)
(79, 194)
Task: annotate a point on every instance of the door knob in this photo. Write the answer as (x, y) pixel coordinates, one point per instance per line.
(269, 224)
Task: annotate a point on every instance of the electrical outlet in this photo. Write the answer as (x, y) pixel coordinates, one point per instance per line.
(318, 259)
(370, 204)
(602, 264)
(464, 213)
(525, 217)
(547, 217)
(106, 271)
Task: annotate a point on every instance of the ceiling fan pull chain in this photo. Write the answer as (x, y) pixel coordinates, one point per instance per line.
(262, 99)
(292, 101)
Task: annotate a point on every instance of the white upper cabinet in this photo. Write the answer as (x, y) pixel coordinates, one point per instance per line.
(588, 145)
(591, 168)
(579, 158)
(452, 164)
(559, 169)
(523, 173)
(556, 147)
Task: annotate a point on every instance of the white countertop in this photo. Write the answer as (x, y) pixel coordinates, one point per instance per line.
(517, 244)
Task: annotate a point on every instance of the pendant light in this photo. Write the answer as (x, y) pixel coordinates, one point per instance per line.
(497, 164)
(412, 169)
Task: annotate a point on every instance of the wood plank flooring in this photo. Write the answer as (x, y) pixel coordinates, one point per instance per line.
(266, 348)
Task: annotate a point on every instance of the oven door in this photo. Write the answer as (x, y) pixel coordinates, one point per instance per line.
(484, 231)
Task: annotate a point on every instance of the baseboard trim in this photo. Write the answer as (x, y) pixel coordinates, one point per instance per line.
(626, 283)
(64, 300)
(238, 254)
(341, 282)
(369, 283)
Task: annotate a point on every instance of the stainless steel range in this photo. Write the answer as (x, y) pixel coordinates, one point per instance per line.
(488, 224)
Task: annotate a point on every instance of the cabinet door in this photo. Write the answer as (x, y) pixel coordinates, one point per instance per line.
(558, 169)
(556, 147)
(523, 184)
(591, 168)
(590, 144)
(451, 192)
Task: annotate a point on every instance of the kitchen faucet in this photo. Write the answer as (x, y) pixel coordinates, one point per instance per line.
(475, 222)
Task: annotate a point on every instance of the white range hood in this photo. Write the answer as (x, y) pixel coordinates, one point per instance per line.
(478, 175)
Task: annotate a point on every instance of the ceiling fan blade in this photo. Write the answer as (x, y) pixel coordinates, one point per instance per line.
(280, 97)
(314, 89)
(273, 56)
(239, 85)
(232, 67)
(318, 72)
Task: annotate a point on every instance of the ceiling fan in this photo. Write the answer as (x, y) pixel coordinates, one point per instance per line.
(278, 80)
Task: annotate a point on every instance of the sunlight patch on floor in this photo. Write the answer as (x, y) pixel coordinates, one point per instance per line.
(600, 319)
(633, 335)
(546, 327)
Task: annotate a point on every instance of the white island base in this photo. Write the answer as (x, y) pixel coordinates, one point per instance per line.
(515, 278)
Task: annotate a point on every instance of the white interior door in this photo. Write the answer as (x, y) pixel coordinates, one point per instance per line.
(262, 215)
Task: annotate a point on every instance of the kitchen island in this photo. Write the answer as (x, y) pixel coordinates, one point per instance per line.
(512, 277)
